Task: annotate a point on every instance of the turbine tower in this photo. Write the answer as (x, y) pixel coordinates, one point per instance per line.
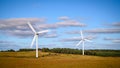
(83, 42)
(35, 38)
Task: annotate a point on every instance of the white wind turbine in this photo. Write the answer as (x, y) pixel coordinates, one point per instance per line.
(82, 41)
(36, 37)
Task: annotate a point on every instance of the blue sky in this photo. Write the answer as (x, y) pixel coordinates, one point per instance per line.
(99, 20)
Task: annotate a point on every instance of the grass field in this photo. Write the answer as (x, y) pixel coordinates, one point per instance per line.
(53, 60)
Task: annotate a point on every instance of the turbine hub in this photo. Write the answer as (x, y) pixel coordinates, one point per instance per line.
(83, 39)
(37, 34)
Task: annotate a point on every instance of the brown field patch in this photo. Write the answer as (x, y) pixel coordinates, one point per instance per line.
(52, 60)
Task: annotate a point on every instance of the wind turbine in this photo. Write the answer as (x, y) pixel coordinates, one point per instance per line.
(82, 41)
(35, 38)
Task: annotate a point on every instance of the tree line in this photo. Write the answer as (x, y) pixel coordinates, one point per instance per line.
(97, 52)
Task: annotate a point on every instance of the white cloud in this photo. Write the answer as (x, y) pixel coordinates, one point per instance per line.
(97, 31)
(18, 26)
(78, 38)
(22, 33)
(4, 42)
(108, 38)
(104, 30)
(70, 23)
(73, 32)
(45, 26)
(116, 24)
(64, 18)
(50, 36)
(19, 21)
(114, 40)
(66, 23)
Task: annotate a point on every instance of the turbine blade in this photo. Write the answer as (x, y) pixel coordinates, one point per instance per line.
(81, 34)
(31, 27)
(79, 43)
(44, 31)
(88, 40)
(33, 41)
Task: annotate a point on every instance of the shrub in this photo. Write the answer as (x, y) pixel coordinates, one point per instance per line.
(11, 50)
(25, 49)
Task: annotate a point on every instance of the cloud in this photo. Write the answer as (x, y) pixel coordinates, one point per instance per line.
(50, 45)
(104, 30)
(116, 24)
(65, 23)
(46, 26)
(70, 23)
(64, 18)
(22, 34)
(97, 31)
(19, 33)
(114, 40)
(72, 39)
(50, 36)
(108, 38)
(78, 38)
(73, 32)
(18, 26)
(18, 21)
(4, 42)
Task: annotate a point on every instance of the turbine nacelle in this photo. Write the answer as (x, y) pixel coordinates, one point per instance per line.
(83, 40)
(36, 34)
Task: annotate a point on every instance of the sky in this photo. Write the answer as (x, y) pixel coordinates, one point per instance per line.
(99, 20)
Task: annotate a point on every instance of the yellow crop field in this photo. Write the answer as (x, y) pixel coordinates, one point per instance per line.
(53, 60)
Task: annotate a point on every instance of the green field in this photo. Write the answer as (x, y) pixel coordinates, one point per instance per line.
(54, 60)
